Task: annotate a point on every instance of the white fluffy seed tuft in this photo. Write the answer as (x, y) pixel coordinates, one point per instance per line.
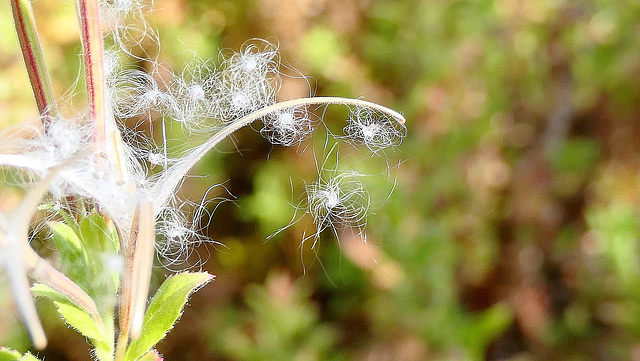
(342, 201)
(287, 127)
(136, 92)
(374, 129)
(247, 82)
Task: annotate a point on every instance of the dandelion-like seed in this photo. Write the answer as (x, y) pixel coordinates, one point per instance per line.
(287, 127)
(247, 82)
(136, 92)
(240, 102)
(194, 103)
(253, 63)
(374, 129)
(195, 92)
(156, 158)
(342, 201)
(191, 104)
(178, 237)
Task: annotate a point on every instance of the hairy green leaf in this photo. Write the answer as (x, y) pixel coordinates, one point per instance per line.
(97, 235)
(28, 357)
(13, 355)
(165, 309)
(81, 320)
(41, 290)
(9, 355)
(72, 253)
(152, 355)
(84, 324)
(101, 245)
(70, 221)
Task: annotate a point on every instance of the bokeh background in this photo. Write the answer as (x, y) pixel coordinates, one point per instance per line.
(513, 231)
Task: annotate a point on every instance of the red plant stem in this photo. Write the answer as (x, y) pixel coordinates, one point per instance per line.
(92, 44)
(34, 60)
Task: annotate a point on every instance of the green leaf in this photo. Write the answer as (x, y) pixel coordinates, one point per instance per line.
(97, 235)
(152, 355)
(13, 355)
(41, 290)
(165, 308)
(28, 357)
(101, 244)
(71, 222)
(9, 355)
(72, 253)
(81, 321)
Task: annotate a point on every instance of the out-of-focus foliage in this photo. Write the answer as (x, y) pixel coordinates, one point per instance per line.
(513, 231)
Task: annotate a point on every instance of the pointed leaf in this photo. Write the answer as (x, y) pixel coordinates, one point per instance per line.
(72, 253)
(97, 235)
(101, 245)
(13, 355)
(165, 309)
(79, 320)
(83, 323)
(41, 290)
(64, 233)
(28, 357)
(152, 355)
(9, 355)
(70, 221)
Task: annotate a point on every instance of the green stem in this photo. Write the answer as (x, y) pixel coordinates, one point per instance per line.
(34, 60)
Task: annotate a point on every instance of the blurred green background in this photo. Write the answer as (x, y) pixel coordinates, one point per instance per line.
(513, 232)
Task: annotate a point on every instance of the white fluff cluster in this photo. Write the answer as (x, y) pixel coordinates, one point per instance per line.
(201, 98)
(287, 127)
(374, 129)
(123, 22)
(179, 238)
(248, 81)
(83, 172)
(194, 98)
(338, 202)
(137, 93)
(113, 13)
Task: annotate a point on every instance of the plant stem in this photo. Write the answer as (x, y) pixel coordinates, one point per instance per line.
(93, 55)
(137, 276)
(169, 181)
(34, 60)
